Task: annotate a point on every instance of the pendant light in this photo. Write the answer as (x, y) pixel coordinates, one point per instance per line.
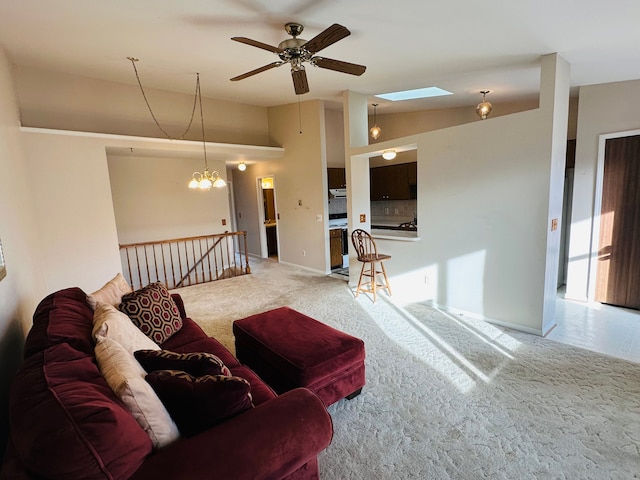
(484, 108)
(375, 131)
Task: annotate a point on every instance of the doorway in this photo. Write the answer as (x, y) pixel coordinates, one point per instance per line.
(618, 255)
(268, 217)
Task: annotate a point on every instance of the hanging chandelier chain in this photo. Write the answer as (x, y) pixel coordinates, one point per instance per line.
(193, 111)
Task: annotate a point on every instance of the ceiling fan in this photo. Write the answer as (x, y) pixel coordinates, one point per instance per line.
(295, 51)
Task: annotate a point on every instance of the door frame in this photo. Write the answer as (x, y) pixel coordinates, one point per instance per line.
(264, 249)
(597, 206)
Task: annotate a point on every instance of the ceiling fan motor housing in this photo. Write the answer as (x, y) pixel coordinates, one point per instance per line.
(292, 49)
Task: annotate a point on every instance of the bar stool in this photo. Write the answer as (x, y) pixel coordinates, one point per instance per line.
(368, 254)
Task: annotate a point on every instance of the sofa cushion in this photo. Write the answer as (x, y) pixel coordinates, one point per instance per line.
(153, 311)
(198, 403)
(62, 409)
(111, 292)
(260, 391)
(63, 316)
(196, 363)
(191, 338)
(125, 376)
(112, 323)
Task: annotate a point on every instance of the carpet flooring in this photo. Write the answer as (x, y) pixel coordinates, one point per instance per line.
(449, 397)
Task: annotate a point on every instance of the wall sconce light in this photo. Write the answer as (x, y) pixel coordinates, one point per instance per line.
(484, 108)
(375, 131)
(389, 154)
(242, 167)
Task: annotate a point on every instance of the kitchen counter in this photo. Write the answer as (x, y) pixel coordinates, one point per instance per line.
(400, 235)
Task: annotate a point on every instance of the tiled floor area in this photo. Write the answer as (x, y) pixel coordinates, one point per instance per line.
(601, 328)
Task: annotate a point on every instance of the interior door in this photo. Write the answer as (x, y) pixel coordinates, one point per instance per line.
(618, 274)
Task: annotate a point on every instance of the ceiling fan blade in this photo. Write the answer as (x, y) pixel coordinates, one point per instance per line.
(339, 66)
(327, 37)
(300, 81)
(255, 43)
(257, 70)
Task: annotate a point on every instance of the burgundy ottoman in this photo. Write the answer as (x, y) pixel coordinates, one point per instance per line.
(288, 349)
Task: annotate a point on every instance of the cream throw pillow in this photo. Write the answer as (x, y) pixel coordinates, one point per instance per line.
(111, 292)
(112, 323)
(125, 376)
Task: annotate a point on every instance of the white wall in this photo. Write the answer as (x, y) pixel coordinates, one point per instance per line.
(603, 109)
(151, 200)
(484, 203)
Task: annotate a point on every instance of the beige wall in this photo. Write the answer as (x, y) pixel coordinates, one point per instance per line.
(334, 126)
(22, 288)
(603, 109)
(151, 200)
(400, 125)
(300, 187)
(74, 209)
(68, 102)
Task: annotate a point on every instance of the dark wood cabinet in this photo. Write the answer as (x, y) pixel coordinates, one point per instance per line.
(393, 182)
(335, 247)
(336, 177)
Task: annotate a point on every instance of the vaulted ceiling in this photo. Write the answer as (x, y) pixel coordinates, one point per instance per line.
(463, 46)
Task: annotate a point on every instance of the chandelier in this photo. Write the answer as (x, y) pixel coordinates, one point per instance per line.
(206, 179)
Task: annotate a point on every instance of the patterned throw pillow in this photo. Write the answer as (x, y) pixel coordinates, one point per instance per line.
(197, 403)
(153, 311)
(196, 364)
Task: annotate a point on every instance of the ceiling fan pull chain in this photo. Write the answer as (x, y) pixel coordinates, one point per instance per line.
(193, 111)
(299, 115)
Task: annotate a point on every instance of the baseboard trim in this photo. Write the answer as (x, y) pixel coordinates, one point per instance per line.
(502, 323)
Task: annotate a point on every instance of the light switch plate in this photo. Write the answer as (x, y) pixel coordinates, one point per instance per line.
(363, 218)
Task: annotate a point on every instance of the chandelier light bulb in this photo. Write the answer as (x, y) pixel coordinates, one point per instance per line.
(242, 167)
(375, 132)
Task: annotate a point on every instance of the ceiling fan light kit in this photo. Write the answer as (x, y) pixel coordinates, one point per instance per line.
(296, 51)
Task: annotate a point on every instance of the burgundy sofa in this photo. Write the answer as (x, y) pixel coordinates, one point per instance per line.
(66, 423)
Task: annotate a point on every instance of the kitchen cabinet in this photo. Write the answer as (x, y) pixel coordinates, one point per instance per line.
(393, 182)
(335, 247)
(336, 177)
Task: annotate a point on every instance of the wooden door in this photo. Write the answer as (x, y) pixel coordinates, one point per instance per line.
(618, 269)
(335, 247)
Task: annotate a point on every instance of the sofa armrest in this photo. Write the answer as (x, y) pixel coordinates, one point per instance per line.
(267, 442)
(180, 303)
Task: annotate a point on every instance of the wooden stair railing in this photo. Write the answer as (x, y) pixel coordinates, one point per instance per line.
(186, 261)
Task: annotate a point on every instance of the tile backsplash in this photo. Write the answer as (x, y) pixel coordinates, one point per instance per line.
(338, 205)
(387, 208)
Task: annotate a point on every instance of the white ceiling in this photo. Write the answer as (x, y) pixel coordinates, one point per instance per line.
(460, 45)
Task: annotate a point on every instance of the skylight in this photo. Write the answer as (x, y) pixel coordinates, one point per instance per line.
(413, 94)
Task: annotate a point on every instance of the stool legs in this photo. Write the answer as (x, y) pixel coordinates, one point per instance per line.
(372, 272)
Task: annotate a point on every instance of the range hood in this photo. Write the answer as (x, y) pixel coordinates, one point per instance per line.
(338, 192)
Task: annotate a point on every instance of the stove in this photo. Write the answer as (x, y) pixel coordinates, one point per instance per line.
(338, 220)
